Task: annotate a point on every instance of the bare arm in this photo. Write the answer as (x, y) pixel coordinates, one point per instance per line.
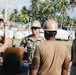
(34, 66)
(5, 40)
(5, 45)
(65, 66)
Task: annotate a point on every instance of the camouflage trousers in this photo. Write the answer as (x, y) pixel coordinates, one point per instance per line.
(73, 69)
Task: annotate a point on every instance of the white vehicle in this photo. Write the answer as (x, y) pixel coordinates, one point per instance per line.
(62, 34)
(71, 35)
(9, 35)
(18, 35)
(42, 32)
(26, 33)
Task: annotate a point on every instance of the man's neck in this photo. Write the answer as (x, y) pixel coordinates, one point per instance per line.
(36, 36)
(52, 39)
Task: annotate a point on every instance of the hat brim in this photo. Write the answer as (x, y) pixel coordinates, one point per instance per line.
(36, 26)
(50, 30)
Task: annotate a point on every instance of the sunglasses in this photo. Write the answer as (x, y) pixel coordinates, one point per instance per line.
(35, 28)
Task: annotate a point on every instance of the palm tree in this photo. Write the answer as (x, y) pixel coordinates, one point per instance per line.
(62, 9)
(44, 12)
(35, 7)
(13, 15)
(73, 3)
(24, 13)
(24, 10)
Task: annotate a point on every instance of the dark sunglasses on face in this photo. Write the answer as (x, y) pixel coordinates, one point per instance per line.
(35, 28)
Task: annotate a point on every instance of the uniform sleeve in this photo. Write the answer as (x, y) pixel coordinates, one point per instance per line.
(36, 59)
(37, 52)
(23, 43)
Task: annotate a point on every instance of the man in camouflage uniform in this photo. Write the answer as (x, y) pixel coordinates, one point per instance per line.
(73, 57)
(30, 42)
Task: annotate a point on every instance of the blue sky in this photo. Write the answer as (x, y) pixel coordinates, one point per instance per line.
(14, 4)
(72, 13)
(19, 3)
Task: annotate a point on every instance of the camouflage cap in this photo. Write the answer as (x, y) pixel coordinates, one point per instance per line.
(36, 24)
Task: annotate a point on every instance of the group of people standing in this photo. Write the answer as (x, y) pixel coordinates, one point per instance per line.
(46, 55)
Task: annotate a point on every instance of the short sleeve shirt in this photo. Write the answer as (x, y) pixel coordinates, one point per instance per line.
(51, 56)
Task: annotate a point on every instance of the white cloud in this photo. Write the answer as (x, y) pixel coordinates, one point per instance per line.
(72, 13)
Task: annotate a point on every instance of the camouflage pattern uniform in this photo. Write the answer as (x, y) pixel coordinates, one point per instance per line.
(1, 42)
(1, 27)
(31, 44)
(1, 36)
(73, 58)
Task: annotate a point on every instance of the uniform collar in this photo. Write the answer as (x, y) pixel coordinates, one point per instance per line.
(32, 38)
